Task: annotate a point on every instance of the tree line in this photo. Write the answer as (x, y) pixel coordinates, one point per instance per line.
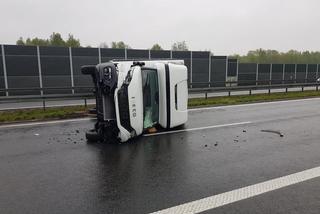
(253, 56)
(56, 39)
(273, 56)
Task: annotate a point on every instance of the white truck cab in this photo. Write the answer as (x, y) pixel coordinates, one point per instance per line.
(134, 96)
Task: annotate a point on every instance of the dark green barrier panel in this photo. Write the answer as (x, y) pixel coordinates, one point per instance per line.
(2, 85)
(301, 73)
(247, 74)
(277, 73)
(136, 54)
(22, 68)
(81, 57)
(200, 68)
(55, 68)
(312, 73)
(264, 74)
(232, 67)
(218, 71)
(289, 73)
(160, 54)
(108, 54)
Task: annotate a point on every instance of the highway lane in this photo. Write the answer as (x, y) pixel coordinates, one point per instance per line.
(49, 168)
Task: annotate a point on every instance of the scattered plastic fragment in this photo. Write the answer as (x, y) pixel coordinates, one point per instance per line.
(36, 134)
(275, 132)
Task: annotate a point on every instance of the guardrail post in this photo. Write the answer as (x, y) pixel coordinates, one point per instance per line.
(302, 88)
(191, 81)
(257, 74)
(270, 77)
(286, 89)
(99, 55)
(40, 71)
(206, 95)
(283, 73)
(250, 92)
(4, 65)
(125, 54)
(71, 69)
(209, 69)
(227, 70)
(229, 93)
(43, 104)
(306, 77)
(295, 73)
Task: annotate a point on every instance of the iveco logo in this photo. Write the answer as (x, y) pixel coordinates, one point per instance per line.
(133, 107)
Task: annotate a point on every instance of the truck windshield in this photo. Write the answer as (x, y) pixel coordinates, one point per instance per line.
(150, 90)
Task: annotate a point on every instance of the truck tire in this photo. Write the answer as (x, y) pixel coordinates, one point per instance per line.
(92, 136)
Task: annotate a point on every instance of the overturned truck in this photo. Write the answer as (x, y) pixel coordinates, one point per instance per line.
(135, 97)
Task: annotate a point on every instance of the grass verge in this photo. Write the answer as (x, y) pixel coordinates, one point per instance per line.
(39, 114)
(242, 99)
(81, 111)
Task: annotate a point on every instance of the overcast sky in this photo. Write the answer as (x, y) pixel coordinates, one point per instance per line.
(224, 27)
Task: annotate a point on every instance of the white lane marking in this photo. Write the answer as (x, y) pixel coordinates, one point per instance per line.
(44, 123)
(47, 106)
(253, 104)
(199, 128)
(222, 199)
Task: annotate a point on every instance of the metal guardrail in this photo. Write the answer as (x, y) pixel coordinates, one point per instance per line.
(251, 88)
(46, 97)
(202, 90)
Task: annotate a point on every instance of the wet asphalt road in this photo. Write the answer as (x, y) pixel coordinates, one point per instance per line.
(51, 169)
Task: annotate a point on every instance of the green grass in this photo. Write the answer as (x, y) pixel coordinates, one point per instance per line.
(40, 114)
(81, 111)
(242, 99)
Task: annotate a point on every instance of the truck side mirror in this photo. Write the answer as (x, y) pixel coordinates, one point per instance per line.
(88, 69)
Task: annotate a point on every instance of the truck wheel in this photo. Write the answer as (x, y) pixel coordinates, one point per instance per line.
(92, 136)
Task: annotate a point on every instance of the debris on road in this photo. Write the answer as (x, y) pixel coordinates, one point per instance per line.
(273, 131)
